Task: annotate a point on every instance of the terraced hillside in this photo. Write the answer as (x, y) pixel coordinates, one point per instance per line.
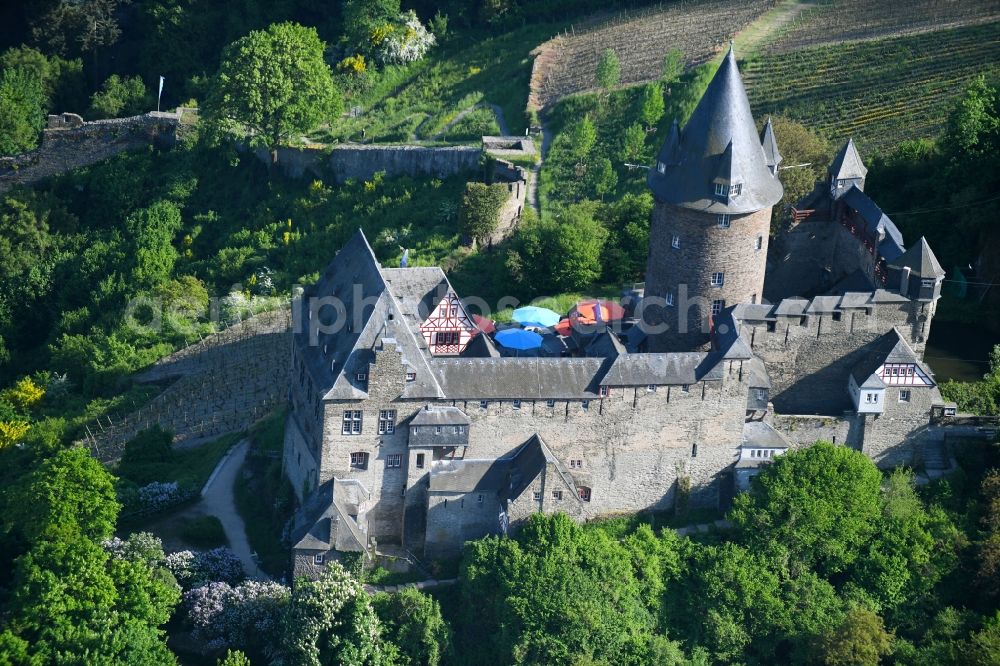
(835, 21)
(568, 63)
(879, 91)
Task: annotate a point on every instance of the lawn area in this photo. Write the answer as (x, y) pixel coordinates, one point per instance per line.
(189, 467)
(418, 101)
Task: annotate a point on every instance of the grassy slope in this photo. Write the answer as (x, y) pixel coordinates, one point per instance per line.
(421, 99)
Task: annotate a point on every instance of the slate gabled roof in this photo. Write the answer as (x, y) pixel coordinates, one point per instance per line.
(847, 164)
(891, 245)
(507, 477)
(721, 118)
(435, 416)
(355, 279)
(920, 259)
(889, 348)
(769, 143)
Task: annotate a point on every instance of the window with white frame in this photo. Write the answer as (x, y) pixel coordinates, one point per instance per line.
(761, 394)
(575, 463)
(904, 395)
(736, 189)
(670, 299)
(585, 404)
(650, 388)
(394, 460)
(411, 376)
(675, 242)
(722, 221)
(718, 305)
(386, 421)
(661, 167)
(359, 460)
(721, 190)
(603, 391)
(318, 559)
(557, 495)
(718, 279)
(537, 496)
(352, 422)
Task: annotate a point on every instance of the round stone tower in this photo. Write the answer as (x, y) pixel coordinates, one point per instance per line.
(714, 184)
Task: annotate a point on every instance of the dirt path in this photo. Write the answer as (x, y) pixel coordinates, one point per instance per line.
(217, 500)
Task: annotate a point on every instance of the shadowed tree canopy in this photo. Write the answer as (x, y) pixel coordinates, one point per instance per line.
(272, 86)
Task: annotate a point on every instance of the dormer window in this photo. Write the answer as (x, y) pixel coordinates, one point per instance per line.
(362, 377)
(733, 190)
(675, 242)
(661, 167)
(411, 376)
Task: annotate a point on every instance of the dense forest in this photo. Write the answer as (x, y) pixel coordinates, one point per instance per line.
(828, 561)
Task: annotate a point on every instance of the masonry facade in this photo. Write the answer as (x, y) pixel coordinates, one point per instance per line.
(398, 440)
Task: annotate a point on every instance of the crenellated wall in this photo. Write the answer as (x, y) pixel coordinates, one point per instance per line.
(70, 143)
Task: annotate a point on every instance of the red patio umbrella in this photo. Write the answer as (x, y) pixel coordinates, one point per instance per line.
(483, 324)
(590, 311)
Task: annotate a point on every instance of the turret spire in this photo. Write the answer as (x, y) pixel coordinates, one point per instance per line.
(721, 120)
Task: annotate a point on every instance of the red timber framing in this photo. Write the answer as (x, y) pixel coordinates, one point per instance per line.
(448, 328)
(903, 374)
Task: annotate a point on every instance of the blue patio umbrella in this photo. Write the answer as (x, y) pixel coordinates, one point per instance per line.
(530, 314)
(517, 338)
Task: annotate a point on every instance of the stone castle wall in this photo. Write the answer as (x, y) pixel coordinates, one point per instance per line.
(69, 143)
(362, 162)
(634, 444)
(704, 248)
(810, 256)
(809, 358)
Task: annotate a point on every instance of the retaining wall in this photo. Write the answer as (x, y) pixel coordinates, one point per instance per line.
(361, 162)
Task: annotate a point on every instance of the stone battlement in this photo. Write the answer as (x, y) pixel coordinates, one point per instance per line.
(70, 143)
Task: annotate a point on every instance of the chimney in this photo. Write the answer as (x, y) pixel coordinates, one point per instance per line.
(904, 280)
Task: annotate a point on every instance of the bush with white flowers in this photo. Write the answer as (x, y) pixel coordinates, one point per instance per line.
(226, 616)
(405, 41)
(194, 569)
(159, 495)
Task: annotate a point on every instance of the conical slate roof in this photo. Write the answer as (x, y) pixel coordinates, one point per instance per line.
(722, 119)
(921, 261)
(769, 143)
(848, 163)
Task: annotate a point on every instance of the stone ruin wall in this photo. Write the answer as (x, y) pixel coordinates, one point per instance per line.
(70, 143)
(362, 162)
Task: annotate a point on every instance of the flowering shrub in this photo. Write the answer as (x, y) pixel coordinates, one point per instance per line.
(11, 432)
(354, 64)
(402, 42)
(139, 547)
(194, 569)
(25, 393)
(223, 615)
(159, 495)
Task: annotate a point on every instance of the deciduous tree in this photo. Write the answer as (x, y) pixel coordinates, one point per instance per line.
(272, 86)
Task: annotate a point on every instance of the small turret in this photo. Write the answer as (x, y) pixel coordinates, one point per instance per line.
(916, 273)
(770, 145)
(846, 169)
